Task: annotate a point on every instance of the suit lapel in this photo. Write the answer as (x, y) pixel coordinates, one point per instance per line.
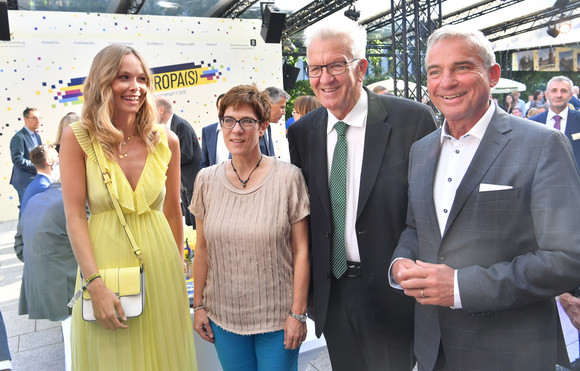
(28, 139)
(493, 142)
(376, 138)
(572, 124)
(317, 143)
(433, 151)
(212, 145)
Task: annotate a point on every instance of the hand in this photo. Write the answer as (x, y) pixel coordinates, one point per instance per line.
(294, 333)
(429, 284)
(202, 326)
(401, 265)
(571, 305)
(106, 306)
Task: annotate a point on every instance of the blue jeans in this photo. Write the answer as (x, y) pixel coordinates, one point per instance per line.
(264, 352)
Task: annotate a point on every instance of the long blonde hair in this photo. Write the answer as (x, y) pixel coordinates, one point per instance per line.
(98, 106)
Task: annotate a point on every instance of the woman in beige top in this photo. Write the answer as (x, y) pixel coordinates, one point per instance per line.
(251, 266)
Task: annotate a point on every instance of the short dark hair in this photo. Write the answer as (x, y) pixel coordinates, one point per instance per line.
(39, 155)
(27, 111)
(247, 95)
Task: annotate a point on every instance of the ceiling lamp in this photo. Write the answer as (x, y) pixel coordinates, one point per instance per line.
(553, 31)
(352, 13)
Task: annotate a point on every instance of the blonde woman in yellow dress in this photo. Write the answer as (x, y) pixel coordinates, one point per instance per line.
(118, 119)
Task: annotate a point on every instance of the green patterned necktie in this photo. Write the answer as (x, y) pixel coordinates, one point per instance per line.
(338, 201)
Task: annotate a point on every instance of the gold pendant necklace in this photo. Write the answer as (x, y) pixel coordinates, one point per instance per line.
(124, 143)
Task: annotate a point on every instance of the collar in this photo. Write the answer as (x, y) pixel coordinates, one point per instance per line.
(29, 131)
(168, 123)
(356, 117)
(478, 130)
(218, 128)
(563, 114)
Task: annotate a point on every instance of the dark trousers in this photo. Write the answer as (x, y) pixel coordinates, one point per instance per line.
(4, 351)
(186, 197)
(354, 340)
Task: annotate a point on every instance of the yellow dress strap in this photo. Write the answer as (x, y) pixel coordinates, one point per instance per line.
(84, 139)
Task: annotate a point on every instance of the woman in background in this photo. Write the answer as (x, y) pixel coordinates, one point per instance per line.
(509, 103)
(67, 119)
(303, 105)
(251, 266)
(118, 125)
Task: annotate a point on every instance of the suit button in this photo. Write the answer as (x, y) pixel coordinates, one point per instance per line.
(442, 257)
(361, 233)
(327, 235)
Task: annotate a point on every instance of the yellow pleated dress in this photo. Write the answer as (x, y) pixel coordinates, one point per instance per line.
(162, 337)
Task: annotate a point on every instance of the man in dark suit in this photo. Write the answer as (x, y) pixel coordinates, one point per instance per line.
(492, 228)
(44, 158)
(21, 144)
(190, 152)
(366, 324)
(213, 148)
(278, 99)
(558, 94)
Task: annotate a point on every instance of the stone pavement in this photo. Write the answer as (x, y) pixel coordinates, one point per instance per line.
(38, 344)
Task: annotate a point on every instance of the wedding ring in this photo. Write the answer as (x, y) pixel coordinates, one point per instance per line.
(422, 293)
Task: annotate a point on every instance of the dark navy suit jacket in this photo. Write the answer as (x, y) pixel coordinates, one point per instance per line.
(20, 146)
(572, 127)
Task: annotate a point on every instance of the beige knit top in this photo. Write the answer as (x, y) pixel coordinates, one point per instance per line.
(249, 283)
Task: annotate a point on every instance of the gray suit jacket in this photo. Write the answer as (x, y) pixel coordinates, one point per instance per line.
(514, 249)
(50, 268)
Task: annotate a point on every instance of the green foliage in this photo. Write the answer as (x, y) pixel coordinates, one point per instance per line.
(302, 87)
(537, 80)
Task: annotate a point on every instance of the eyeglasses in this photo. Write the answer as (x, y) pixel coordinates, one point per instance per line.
(35, 118)
(230, 122)
(336, 68)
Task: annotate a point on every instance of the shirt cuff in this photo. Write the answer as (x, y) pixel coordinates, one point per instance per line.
(5, 365)
(456, 296)
(392, 280)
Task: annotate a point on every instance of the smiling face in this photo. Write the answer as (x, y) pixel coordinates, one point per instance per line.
(129, 86)
(242, 142)
(558, 94)
(458, 83)
(338, 93)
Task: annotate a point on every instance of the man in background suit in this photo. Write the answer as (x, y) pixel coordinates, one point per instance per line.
(190, 152)
(366, 324)
(558, 94)
(21, 144)
(278, 99)
(45, 159)
(213, 147)
(492, 228)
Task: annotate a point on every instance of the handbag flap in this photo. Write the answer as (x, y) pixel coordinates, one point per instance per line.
(122, 281)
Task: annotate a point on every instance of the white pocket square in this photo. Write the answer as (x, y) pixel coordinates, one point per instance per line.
(575, 136)
(483, 187)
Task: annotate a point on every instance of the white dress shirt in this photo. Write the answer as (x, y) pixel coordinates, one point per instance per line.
(550, 122)
(455, 157)
(356, 120)
(33, 136)
(221, 151)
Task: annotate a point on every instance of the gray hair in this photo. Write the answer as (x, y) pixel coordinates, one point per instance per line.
(276, 94)
(473, 37)
(561, 79)
(350, 32)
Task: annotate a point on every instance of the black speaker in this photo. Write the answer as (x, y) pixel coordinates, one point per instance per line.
(273, 22)
(4, 27)
(290, 74)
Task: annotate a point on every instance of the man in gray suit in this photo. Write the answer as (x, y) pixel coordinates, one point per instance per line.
(492, 235)
(24, 141)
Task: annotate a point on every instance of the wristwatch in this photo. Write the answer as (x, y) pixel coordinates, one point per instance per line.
(300, 317)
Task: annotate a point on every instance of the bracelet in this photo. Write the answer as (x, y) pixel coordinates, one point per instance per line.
(91, 279)
(199, 307)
